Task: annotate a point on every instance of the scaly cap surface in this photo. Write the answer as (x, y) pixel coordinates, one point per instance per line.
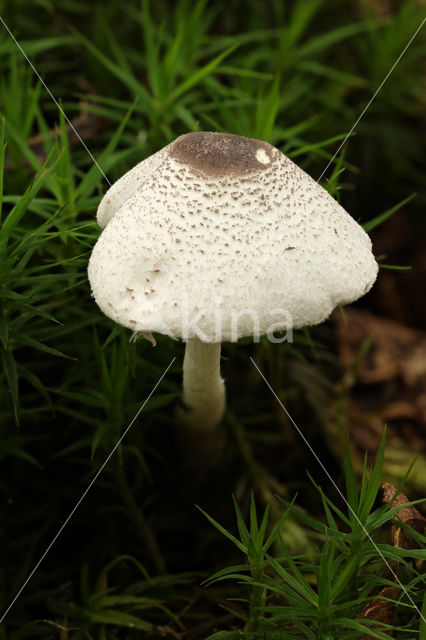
(226, 234)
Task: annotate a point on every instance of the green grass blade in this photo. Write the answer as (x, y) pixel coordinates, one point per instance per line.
(375, 222)
(423, 620)
(374, 481)
(120, 619)
(2, 153)
(344, 577)
(278, 526)
(242, 529)
(395, 267)
(121, 74)
(325, 40)
(9, 365)
(152, 49)
(351, 486)
(93, 176)
(296, 581)
(254, 527)
(21, 206)
(263, 526)
(196, 77)
(36, 344)
(267, 111)
(316, 145)
(222, 530)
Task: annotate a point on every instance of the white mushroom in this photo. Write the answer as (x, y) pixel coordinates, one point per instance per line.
(216, 237)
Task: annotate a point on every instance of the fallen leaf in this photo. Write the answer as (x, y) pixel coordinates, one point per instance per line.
(395, 350)
(408, 515)
(381, 610)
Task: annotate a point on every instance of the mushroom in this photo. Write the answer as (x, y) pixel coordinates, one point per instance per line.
(216, 237)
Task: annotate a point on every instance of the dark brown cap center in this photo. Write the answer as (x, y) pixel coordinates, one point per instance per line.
(221, 154)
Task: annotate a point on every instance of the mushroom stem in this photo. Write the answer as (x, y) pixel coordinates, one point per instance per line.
(203, 388)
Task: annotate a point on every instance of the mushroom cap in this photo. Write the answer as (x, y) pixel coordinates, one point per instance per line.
(219, 236)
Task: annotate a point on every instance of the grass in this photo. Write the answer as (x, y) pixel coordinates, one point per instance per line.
(315, 595)
(131, 560)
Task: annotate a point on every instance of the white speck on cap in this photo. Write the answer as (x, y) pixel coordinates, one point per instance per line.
(262, 156)
(217, 215)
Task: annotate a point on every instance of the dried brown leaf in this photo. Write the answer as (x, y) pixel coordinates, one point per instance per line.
(381, 610)
(408, 515)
